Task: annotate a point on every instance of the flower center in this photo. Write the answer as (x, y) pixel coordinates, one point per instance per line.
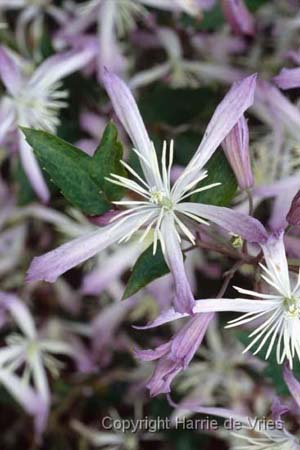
(292, 307)
(161, 199)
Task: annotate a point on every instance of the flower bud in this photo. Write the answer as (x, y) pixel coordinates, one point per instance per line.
(236, 148)
(238, 17)
(293, 216)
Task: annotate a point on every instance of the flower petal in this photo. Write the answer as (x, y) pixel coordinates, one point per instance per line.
(230, 110)
(59, 66)
(51, 265)
(235, 222)
(184, 299)
(9, 72)
(20, 313)
(27, 397)
(32, 170)
(129, 116)
(288, 78)
(234, 305)
(292, 384)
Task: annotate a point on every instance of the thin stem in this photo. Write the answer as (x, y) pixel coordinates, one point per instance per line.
(250, 201)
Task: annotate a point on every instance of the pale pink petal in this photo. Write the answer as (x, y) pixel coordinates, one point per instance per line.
(288, 78)
(20, 313)
(235, 222)
(230, 110)
(54, 263)
(59, 66)
(127, 111)
(32, 403)
(9, 72)
(184, 299)
(238, 17)
(32, 170)
(292, 384)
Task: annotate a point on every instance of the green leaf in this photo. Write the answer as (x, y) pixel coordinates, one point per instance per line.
(68, 168)
(147, 268)
(219, 171)
(187, 104)
(106, 160)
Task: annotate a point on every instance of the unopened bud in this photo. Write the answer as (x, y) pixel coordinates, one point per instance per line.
(236, 148)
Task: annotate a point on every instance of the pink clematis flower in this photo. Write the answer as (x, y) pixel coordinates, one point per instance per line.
(35, 101)
(162, 208)
(278, 310)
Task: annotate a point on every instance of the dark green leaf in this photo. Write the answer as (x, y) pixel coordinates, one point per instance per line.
(147, 268)
(106, 160)
(187, 104)
(68, 168)
(219, 171)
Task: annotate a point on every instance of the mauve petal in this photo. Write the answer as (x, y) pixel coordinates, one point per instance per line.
(20, 313)
(292, 384)
(9, 72)
(238, 17)
(276, 109)
(288, 78)
(186, 342)
(59, 66)
(164, 373)
(7, 117)
(278, 409)
(151, 355)
(236, 149)
(127, 111)
(110, 269)
(32, 403)
(164, 317)
(229, 111)
(110, 55)
(32, 170)
(184, 299)
(233, 221)
(54, 263)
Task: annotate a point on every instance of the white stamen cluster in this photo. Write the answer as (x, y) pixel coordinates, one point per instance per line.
(283, 318)
(39, 107)
(159, 200)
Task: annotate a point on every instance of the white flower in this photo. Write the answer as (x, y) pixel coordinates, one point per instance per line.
(264, 439)
(34, 100)
(28, 350)
(276, 315)
(162, 208)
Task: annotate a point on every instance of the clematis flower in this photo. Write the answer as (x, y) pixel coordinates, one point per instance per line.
(115, 19)
(278, 311)
(29, 351)
(162, 207)
(179, 71)
(35, 101)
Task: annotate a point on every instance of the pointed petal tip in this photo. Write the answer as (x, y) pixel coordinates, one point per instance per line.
(36, 272)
